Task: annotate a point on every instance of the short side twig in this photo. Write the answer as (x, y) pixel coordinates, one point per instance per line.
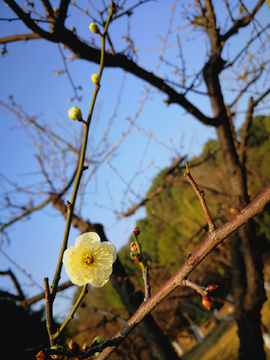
(200, 195)
(200, 289)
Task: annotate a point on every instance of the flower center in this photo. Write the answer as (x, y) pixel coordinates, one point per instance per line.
(88, 260)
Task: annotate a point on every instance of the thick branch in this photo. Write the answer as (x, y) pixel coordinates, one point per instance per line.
(30, 23)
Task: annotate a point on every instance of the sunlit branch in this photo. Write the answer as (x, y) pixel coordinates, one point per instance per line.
(200, 195)
(21, 37)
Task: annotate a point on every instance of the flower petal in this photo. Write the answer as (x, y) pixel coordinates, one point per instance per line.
(91, 237)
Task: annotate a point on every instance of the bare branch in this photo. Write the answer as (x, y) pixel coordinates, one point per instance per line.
(245, 133)
(27, 212)
(20, 37)
(20, 296)
(33, 300)
(49, 309)
(200, 195)
(244, 21)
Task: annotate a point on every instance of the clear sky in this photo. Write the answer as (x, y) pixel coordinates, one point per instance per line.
(28, 74)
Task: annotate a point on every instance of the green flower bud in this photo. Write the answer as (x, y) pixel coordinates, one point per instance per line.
(95, 78)
(75, 113)
(98, 340)
(94, 28)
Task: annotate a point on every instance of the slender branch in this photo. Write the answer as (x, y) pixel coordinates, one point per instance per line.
(245, 133)
(49, 315)
(71, 314)
(33, 300)
(81, 167)
(40, 128)
(147, 287)
(168, 181)
(20, 37)
(200, 289)
(200, 195)
(20, 295)
(27, 212)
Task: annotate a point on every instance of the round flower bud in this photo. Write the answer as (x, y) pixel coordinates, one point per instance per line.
(85, 347)
(95, 78)
(135, 256)
(73, 346)
(75, 113)
(94, 28)
(206, 301)
(133, 246)
(211, 288)
(136, 230)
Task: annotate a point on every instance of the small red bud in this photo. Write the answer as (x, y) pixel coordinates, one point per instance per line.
(85, 347)
(40, 356)
(135, 256)
(211, 288)
(133, 246)
(206, 301)
(136, 230)
(73, 346)
(79, 357)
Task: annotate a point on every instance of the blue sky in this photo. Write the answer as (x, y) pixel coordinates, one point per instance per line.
(27, 72)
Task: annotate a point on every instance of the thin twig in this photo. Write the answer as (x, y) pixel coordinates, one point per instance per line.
(200, 289)
(49, 315)
(147, 287)
(200, 195)
(71, 314)
(20, 295)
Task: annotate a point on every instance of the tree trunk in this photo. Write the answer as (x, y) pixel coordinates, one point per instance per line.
(249, 293)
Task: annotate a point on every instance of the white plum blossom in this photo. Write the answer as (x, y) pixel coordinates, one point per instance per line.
(89, 260)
